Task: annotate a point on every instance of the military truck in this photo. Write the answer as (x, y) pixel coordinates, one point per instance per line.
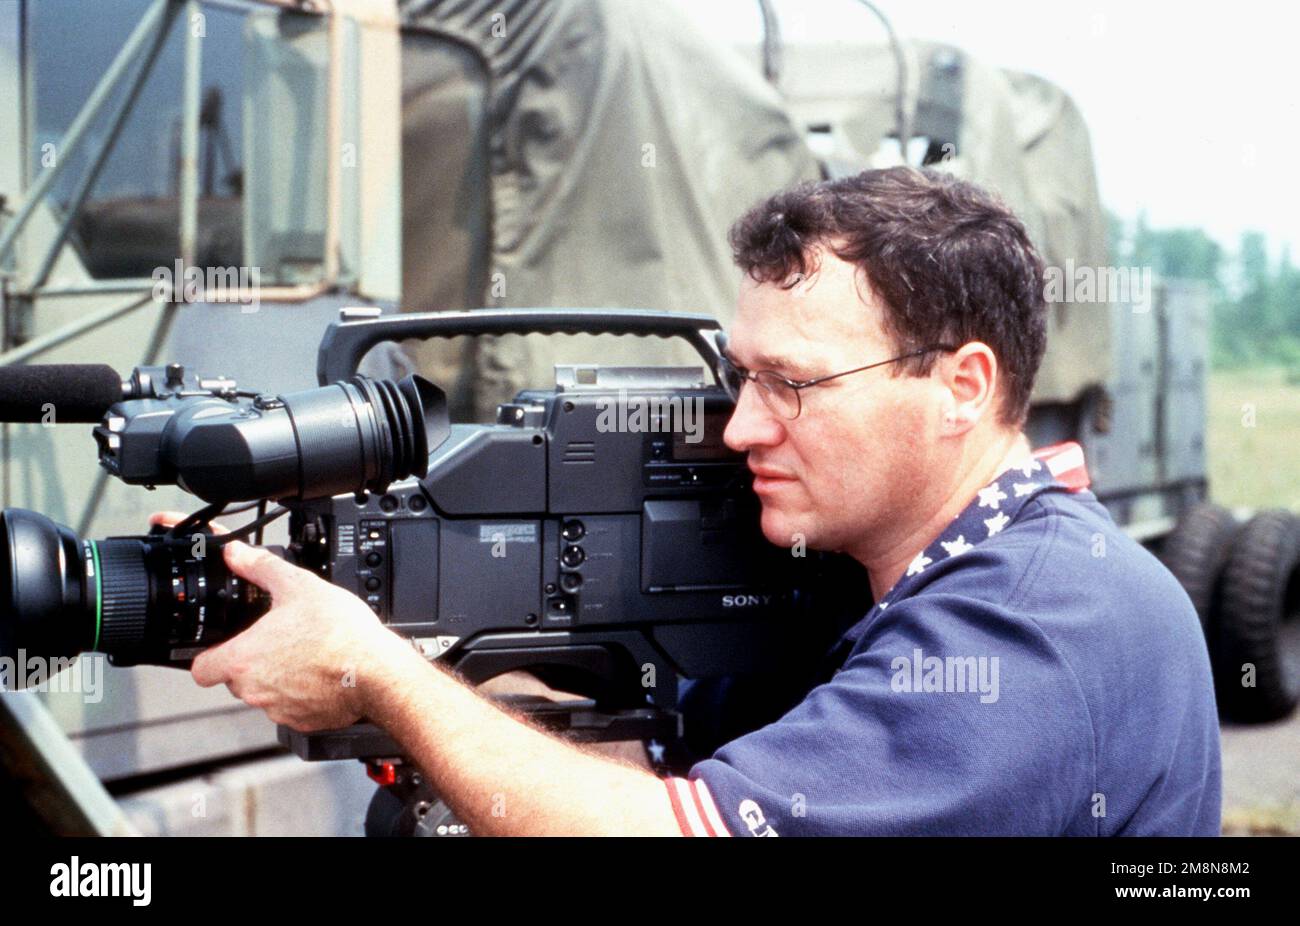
(210, 182)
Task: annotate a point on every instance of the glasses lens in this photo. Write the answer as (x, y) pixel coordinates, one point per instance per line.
(779, 395)
(731, 379)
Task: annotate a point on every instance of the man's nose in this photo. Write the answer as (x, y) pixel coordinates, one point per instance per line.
(752, 424)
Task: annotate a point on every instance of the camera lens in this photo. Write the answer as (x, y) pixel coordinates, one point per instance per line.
(44, 589)
(154, 599)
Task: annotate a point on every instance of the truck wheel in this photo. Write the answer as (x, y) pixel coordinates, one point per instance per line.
(1260, 588)
(1196, 551)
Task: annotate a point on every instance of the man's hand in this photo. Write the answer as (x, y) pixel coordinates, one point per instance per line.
(301, 661)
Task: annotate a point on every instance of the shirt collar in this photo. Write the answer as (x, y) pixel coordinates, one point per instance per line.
(1059, 467)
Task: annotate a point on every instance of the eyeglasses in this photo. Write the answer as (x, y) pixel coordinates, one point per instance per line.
(780, 394)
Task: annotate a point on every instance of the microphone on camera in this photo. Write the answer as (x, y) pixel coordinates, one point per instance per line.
(76, 393)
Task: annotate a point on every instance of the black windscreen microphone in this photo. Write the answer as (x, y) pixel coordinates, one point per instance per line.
(64, 393)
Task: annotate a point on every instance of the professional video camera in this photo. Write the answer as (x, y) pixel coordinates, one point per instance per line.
(599, 534)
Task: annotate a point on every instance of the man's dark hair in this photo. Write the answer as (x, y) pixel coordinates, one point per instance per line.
(950, 260)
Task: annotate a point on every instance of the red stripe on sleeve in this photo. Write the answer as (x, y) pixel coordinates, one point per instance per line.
(699, 804)
(679, 811)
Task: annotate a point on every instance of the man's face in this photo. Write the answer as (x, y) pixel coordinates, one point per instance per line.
(849, 468)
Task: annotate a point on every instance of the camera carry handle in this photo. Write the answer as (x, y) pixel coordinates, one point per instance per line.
(346, 341)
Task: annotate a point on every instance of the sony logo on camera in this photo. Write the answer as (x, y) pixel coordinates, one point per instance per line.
(745, 601)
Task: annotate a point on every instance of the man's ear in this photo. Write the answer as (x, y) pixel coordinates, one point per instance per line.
(970, 376)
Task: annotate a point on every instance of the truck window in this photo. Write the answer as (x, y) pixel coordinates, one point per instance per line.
(253, 61)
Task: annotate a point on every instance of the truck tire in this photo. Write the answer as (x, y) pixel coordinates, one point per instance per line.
(1259, 589)
(1196, 551)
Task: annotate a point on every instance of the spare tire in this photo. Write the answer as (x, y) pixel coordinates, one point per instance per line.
(1196, 551)
(1259, 589)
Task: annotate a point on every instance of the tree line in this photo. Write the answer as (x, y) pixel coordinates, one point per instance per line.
(1256, 299)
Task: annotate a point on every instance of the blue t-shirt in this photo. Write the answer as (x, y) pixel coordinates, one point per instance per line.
(1035, 671)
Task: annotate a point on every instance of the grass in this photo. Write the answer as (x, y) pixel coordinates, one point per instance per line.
(1254, 438)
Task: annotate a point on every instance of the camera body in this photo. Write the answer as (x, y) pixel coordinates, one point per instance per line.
(601, 527)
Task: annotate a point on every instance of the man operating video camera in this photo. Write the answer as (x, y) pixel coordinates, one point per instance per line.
(1026, 669)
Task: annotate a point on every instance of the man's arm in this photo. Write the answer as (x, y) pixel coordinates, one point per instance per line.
(501, 775)
(319, 659)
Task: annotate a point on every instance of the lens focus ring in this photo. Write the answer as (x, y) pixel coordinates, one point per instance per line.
(124, 591)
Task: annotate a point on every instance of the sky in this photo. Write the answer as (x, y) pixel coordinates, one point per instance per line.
(1193, 106)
